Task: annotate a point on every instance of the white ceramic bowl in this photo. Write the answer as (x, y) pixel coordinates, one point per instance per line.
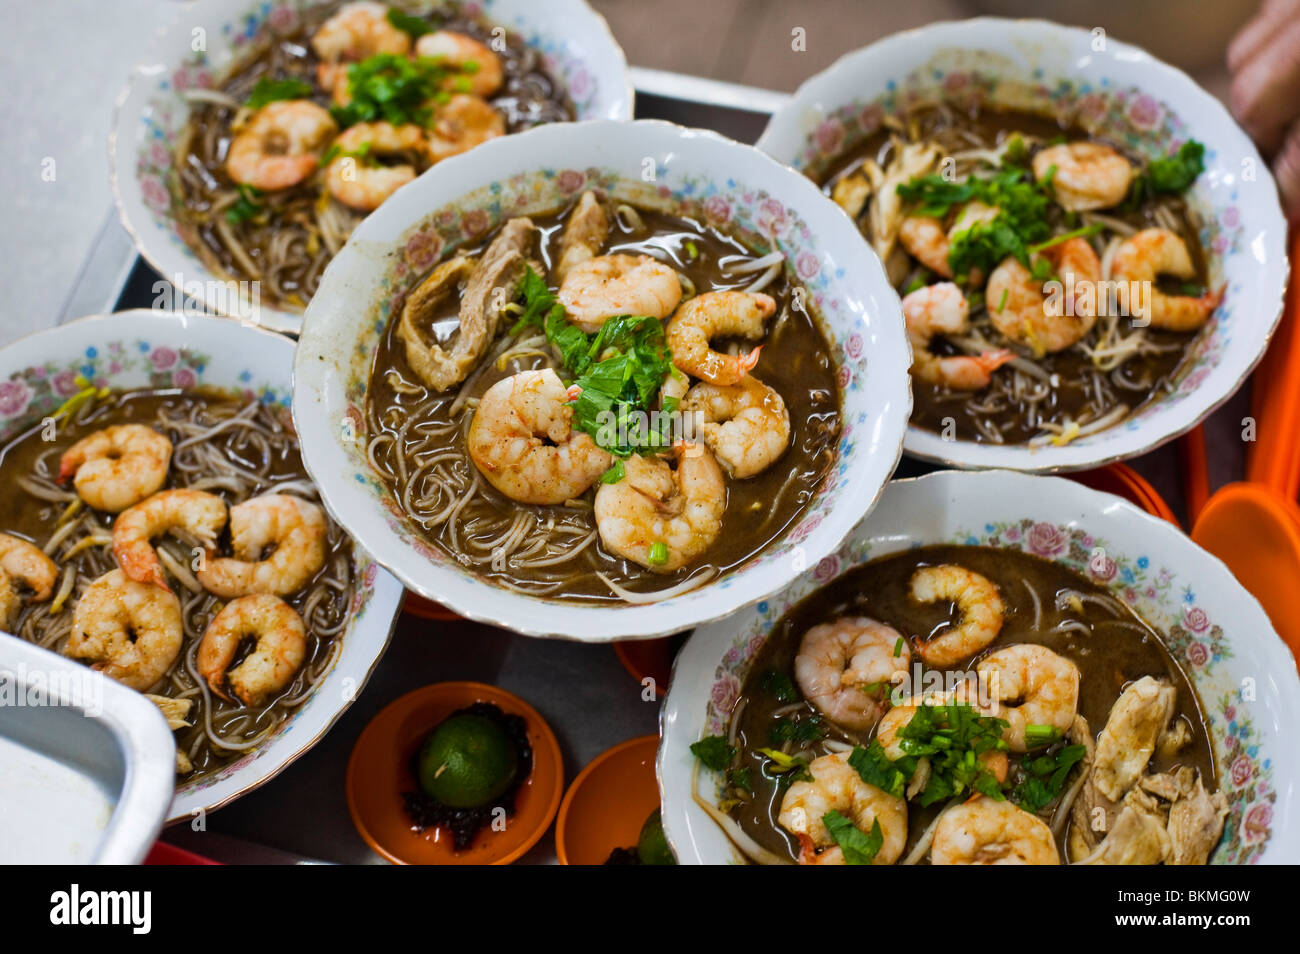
(1212, 626)
(697, 172)
(158, 349)
(1112, 89)
(151, 112)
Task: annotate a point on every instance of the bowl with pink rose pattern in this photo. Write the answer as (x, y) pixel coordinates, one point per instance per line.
(1216, 633)
(171, 352)
(1112, 91)
(693, 174)
(190, 58)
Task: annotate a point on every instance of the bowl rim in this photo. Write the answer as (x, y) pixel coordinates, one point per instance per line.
(386, 590)
(270, 317)
(965, 454)
(615, 622)
(675, 720)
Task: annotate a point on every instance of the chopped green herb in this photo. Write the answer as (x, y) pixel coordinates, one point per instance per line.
(898, 647)
(269, 90)
(413, 26)
(919, 282)
(1002, 302)
(1016, 153)
(614, 474)
(245, 208)
(1038, 736)
(859, 848)
(692, 251)
(740, 778)
(1044, 777)
(1169, 175)
(618, 371)
(780, 765)
(1086, 232)
(875, 768)
(390, 88)
(714, 751)
(785, 730)
(658, 554)
(779, 685)
(953, 736)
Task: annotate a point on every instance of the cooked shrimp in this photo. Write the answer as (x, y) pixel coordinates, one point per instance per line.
(847, 666)
(479, 69)
(746, 424)
(281, 145)
(978, 601)
(600, 288)
(942, 310)
(837, 787)
(294, 527)
(1088, 175)
(1154, 252)
(584, 235)
(522, 440)
(986, 831)
(926, 240)
(201, 515)
(659, 518)
(1030, 686)
(1020, 311)
(356, 31)
(713, 315)
(355, 181)
(128, 630)
(25, 563)
(493, 280)
(280, 645)
(117, 467)
(460, 124)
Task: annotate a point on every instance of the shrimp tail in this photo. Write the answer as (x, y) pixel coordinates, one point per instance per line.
(807, 849)
(141, 564)
(746, 363)
(990, 361)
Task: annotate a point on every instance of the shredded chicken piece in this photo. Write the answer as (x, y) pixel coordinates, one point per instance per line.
(174, 710)
(1173, 739)
(851, 193)
(1138, 836)
(910, 160)
(1125, 745)
(1196, 825)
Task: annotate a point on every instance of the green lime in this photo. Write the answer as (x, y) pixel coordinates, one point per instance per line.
(652, 847)
(467, 761)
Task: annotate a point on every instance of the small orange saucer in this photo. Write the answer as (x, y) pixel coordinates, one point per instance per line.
(608, 803)
(379, 772)
(417, 605)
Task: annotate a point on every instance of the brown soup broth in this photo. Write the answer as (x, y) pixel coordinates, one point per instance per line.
(1119, 650)
(796, 361)
(1076, 386)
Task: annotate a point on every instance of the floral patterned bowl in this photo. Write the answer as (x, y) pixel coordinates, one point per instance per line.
(203, 42)
(693, 172)
(159, 349)
(1108, 88)
(1244, 674)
